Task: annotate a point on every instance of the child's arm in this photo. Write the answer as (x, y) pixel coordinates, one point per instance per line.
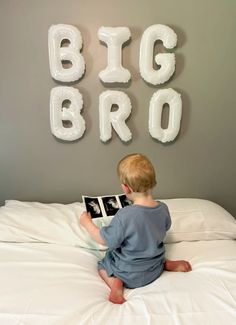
(92, 229)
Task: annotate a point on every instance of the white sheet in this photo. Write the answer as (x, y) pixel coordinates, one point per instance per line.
(42, 284)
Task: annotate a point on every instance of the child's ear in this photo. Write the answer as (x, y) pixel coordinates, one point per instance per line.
(126, 189)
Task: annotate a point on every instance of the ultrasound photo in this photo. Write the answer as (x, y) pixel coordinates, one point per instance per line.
(93, 206)
(111, 205)
(105, 206)
(124, 200)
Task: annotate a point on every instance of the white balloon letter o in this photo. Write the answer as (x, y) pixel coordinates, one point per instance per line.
(159, 98)
(107, 118)
(71, 114)
(57, 53)
(165, 60)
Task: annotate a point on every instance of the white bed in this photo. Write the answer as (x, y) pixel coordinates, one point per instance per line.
(48, 270)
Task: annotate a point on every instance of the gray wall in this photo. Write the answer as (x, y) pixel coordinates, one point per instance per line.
(34, 165)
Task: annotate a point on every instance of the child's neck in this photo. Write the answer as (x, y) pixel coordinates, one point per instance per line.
(144, 199)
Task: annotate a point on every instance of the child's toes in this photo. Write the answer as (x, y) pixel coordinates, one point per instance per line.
(188, 267)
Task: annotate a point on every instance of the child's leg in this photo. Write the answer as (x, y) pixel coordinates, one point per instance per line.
(116, 286)
(177, 266)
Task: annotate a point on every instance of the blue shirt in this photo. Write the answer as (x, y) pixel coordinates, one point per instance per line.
(135, 237)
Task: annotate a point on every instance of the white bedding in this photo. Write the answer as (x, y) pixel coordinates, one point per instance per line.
(42, 284)
(48, 269)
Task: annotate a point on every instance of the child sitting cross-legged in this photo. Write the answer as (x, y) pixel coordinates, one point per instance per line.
(136, 254)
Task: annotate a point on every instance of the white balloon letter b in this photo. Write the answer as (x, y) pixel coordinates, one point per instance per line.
(59, 54)
(66, 122)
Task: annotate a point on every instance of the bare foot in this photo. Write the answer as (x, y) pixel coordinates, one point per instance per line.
(116, 295)
(177, 266)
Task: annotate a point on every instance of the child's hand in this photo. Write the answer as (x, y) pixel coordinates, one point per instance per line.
(85, 219)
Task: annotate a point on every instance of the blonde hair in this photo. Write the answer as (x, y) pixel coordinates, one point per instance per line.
(136, 171)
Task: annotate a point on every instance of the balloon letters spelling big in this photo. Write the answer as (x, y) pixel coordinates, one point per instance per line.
(67, 65)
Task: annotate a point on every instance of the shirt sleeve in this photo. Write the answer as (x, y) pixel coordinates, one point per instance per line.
(168, 222)
(113, 234)
(168, 218)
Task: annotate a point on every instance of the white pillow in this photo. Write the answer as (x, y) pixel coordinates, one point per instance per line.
(49, 223)
(196, 219)
(192, 219)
